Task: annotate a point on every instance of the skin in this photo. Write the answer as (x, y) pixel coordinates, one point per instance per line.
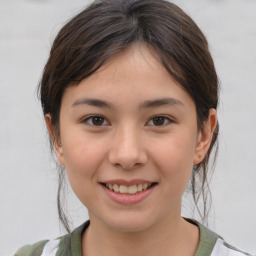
(129, 144)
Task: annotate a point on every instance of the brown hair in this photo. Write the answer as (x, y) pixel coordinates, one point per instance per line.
(107, 27)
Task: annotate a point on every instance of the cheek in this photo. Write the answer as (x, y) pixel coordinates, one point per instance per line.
(174, 152)
(174, 159)
(83, 156)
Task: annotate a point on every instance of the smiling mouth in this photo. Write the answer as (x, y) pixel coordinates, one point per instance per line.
(133, 189)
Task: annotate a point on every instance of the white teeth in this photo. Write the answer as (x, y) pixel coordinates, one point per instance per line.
(145, 186)
(116, 187)
(133, 189)
(140, 187)
(123, 189)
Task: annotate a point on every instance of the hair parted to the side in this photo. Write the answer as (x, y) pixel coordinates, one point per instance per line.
(107, 27)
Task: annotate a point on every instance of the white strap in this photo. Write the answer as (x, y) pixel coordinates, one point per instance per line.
(51, 248)
(223, 249)
(219, 249)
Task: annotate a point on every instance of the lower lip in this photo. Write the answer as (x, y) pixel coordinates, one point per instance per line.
(128, 199)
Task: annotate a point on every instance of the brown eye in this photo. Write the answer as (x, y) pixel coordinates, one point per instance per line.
(95, 121)
(158, 120)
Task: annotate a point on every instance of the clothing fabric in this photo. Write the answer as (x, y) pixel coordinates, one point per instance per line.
(210, 244)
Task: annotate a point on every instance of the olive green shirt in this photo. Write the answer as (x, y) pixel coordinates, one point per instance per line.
(210, 244)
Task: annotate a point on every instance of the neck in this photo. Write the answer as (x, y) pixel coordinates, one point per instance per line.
(173, 236)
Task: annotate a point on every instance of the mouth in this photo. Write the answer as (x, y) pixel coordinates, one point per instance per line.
(129, 190)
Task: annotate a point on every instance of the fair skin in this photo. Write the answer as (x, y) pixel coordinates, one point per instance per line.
(145, 132)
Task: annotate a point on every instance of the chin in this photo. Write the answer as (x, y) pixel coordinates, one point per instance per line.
(130, 223)
(129, 227)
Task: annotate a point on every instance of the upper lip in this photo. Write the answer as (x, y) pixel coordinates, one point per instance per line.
(126, 182)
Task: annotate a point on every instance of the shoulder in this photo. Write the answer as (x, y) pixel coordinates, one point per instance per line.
(211, 244)
(69, 244)
(46, 247)
(35, 249)
(222, 248)
(39, 248)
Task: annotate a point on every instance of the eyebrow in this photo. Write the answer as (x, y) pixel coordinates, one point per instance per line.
(161, 102)
(93, 102)
(146, 104)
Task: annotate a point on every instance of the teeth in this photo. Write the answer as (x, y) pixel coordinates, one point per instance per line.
(133, 189)
(123, 189)
(116, 188)
(140, 187)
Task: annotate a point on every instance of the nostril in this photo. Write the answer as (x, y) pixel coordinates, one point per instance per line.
(127, 157)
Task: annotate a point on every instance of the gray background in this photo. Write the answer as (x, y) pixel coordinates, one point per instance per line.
(28, 176)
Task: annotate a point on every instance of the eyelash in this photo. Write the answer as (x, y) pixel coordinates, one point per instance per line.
(89, 120)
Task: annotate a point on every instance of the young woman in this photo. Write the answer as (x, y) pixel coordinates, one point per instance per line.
(129, 95)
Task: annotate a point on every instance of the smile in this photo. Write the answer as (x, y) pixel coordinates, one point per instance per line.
(133, 189)
(128, 194)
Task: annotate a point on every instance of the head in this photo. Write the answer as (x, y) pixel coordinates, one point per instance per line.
(108, 28)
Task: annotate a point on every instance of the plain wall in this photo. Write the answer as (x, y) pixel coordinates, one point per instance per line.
(28, 181)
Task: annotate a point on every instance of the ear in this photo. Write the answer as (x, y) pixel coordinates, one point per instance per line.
(205, 137)
(55, 140)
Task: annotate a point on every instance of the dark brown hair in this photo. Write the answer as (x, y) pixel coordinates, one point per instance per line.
(107, 27)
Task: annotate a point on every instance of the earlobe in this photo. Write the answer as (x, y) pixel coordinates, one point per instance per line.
(56, 141)
(205, 137)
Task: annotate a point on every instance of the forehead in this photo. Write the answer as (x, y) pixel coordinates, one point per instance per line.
(135, 74)
(138, 59)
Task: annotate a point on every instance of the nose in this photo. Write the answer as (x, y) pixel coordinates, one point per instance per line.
(127, 149)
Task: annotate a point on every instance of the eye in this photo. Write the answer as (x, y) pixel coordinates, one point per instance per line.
(159, 121)
(95, 121)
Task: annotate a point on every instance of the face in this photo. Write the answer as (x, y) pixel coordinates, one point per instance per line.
(129, 140)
